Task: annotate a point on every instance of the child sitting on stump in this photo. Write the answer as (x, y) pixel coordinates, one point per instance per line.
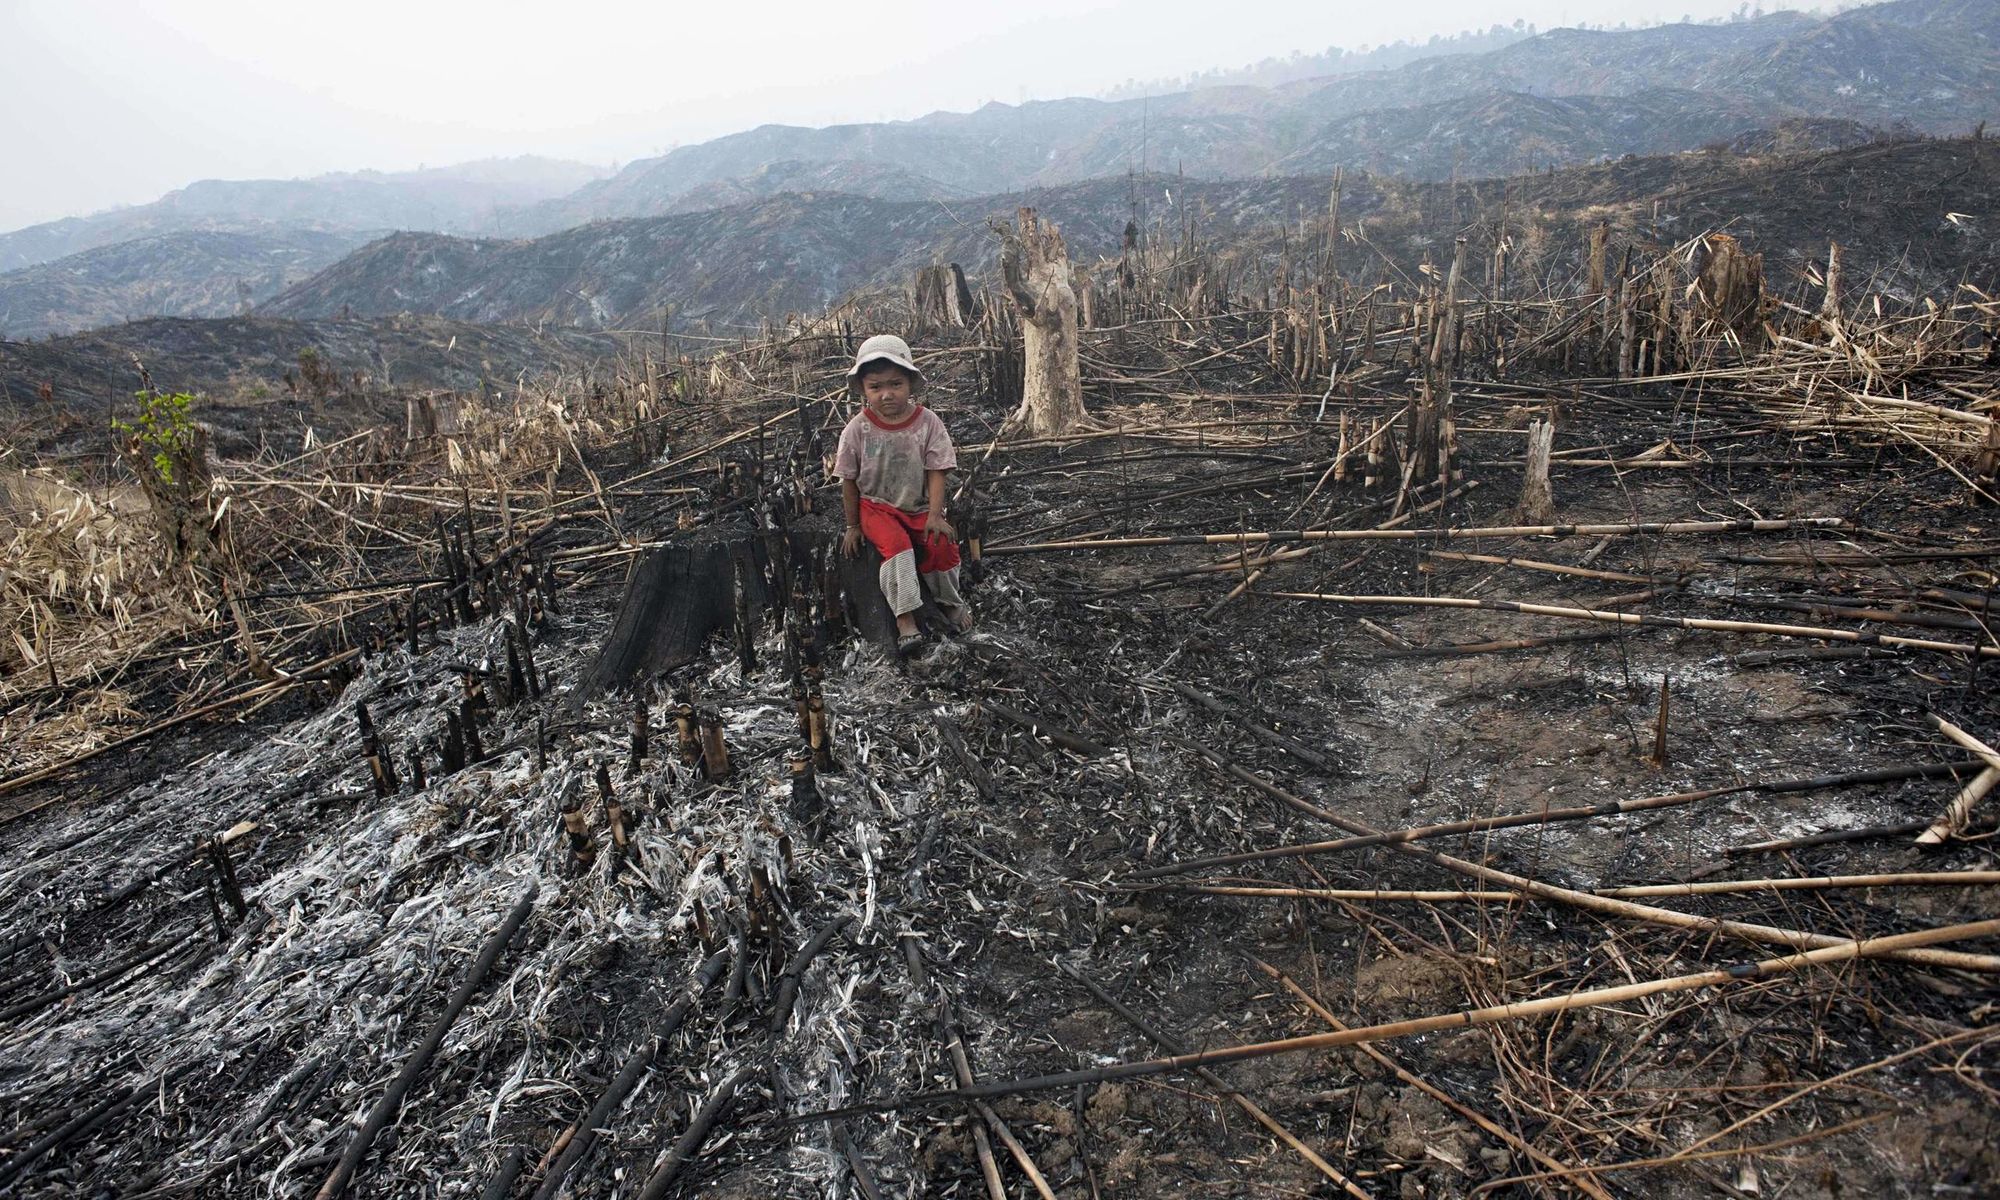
(892, 461)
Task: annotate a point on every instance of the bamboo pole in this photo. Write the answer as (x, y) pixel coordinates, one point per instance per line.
(1582, 1184)
(1960, 809)
(1841, 951)
(1747, 931)
(1547, 816)
(1535, 564)
(1813, 883)
(391, 1101)
(1442, 535)
(1220, 1084)
(1986, 753)
(1592, 614)
(1357, 895)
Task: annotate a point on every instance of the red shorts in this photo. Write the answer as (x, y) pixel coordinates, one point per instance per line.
(891, 531)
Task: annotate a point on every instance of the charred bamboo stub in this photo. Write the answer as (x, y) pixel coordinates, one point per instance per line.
(640, 720)
(468, 726)
(807, 806)
(686, 738)
(582, 846)
(802, 708)
(225, 878)
(819, 735)
(517, 680)
(381, 767)
(451, 744)
(714, 750)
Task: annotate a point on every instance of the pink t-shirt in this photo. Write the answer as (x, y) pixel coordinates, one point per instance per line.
(887, 462)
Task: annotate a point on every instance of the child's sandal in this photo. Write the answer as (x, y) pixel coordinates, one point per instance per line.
(909, 643)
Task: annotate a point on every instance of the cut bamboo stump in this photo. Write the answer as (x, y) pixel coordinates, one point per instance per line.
(1537, 505)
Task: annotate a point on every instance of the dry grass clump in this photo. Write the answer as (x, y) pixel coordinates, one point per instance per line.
(84, 589)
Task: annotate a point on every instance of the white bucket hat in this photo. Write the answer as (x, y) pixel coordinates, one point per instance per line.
(886, 347)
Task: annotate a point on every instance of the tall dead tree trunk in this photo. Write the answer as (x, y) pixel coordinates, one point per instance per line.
(1035, 265)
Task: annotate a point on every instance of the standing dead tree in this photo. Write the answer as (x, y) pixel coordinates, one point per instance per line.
(1035, 266)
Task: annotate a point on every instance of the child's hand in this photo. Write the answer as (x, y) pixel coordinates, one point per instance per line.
(936, 525)
(850, 543)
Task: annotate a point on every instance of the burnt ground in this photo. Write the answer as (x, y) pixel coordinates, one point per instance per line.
(187, 1052)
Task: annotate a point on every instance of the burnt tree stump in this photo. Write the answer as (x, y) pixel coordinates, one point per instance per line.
(681, 595)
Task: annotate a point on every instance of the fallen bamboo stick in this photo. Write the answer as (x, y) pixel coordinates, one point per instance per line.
(627, 1079)
(385, 1108)
(1356, 895)
(1498, 645)
(1546, 816)
(1022, 1158)
(1812, 883)
(1291, 746)
(1986, 753)
(961, 1063)
(1683, 1156)
(1586, 1186)
(1856, 559)
(1532, 564)
(1658, 622)
(1442, 535)
(689, 1143)
(1959, 810)
(1838, 835)
(1069, 741)
(1841, 951)
(1798, 939)
(1222, 1085)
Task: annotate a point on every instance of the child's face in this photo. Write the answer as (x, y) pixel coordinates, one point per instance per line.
(887, 392)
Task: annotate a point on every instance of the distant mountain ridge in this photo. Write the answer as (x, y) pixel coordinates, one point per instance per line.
(194, 273)
(1773, 84)
(797, 253)
(465, 198)
(1928, 65)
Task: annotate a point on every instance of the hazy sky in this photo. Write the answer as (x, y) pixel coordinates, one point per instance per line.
(107, 102)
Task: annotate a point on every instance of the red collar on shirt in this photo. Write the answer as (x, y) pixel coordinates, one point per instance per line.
(915, 412)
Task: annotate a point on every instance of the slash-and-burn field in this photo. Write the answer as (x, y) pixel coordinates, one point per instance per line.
(774, 914)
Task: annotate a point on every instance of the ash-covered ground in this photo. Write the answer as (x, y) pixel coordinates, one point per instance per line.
(157, 1044)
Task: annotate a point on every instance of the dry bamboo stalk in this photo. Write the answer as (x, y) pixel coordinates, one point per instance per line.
(1533, 564)
(1250, 580)
(1841, 951)
(1217, 1082)
(1361, 895)
(1986, 753)
(1680, 1157)
(1501, 531)
(1959, 810)
(1748, 931)
(1592, 614)
(1813, 883)
(1015, 1148)
(1582, 1184)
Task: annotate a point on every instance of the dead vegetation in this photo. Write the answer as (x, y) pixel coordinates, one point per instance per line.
(1278, 727)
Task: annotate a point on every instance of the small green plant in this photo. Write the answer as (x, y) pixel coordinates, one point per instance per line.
(164, 430)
